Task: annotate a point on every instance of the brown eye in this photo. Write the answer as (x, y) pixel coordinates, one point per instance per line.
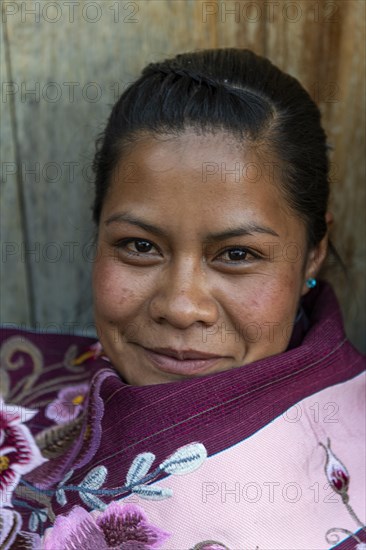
(237, 254)
(135, 247)
(142, 246)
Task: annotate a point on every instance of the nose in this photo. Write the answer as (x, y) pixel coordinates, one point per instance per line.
(182, 296)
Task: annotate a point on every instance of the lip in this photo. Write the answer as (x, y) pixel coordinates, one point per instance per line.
(183, 354)
(192, 362)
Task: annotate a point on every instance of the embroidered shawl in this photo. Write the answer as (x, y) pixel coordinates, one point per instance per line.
(268, 455)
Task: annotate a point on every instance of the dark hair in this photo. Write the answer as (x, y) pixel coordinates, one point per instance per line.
(233, 90)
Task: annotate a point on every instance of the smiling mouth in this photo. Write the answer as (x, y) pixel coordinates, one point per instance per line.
(182, 354)
(183, 362)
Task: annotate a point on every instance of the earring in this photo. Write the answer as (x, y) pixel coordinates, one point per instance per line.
(311, 283)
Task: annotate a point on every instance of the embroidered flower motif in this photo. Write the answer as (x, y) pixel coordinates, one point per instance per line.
(337, 474)
(68, 404)
(119, 526)
(93, 352)
(361, 546)
(339, 478)
(19, 453)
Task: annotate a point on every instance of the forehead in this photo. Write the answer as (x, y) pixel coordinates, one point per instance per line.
(199, 180)
(192, 145)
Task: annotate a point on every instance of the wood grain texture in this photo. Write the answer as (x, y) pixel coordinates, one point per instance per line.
(13, 280)
(79, 60)
(323, 49)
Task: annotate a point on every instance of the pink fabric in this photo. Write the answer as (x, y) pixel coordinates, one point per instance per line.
(270, 491)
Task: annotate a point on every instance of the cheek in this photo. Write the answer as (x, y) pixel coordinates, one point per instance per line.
(116, 294)
(281, 298)
(274, 302)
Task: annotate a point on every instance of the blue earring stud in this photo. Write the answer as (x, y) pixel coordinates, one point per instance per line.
(310, 283)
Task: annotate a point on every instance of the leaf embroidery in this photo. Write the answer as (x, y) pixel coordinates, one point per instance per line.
(54, 441)
(66, 478)
(185, 460)
(61, 497)
(95, 478)
(153, 493)
(94, 502)
(139, 467)
(34, 494)
(33, 522)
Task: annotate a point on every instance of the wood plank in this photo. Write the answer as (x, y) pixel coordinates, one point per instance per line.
(240, 24)
(322, 49)
(343, 109)
(14, 295)
(69, 73)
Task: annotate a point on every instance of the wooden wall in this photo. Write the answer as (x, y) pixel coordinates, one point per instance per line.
(63, 65)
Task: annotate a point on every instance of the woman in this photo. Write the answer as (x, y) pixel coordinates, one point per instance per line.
(222, 405)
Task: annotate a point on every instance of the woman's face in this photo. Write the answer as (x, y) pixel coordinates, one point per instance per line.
(199, 258)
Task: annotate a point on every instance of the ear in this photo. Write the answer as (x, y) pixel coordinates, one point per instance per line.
(317, 255)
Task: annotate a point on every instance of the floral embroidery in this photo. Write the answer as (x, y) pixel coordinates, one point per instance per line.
(93, 352)
(19, 453)
(119, 526)
(18, 352)
(53, 442)
(10, 534)
(74, 444)
(339, 479)
(10, 522)
(210, 545)
(12, 353)
(184, 460)
(337, 474)
(68, 404)
(333, 538)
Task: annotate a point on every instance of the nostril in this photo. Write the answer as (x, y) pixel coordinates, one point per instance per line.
(181, 310)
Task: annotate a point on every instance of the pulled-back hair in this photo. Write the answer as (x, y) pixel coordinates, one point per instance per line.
(239, 92)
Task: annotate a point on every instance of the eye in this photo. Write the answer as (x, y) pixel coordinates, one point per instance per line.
(239, 254)
(140, 246)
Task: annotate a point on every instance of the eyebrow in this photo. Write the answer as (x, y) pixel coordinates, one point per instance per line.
(127, 217)
(247, 229)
